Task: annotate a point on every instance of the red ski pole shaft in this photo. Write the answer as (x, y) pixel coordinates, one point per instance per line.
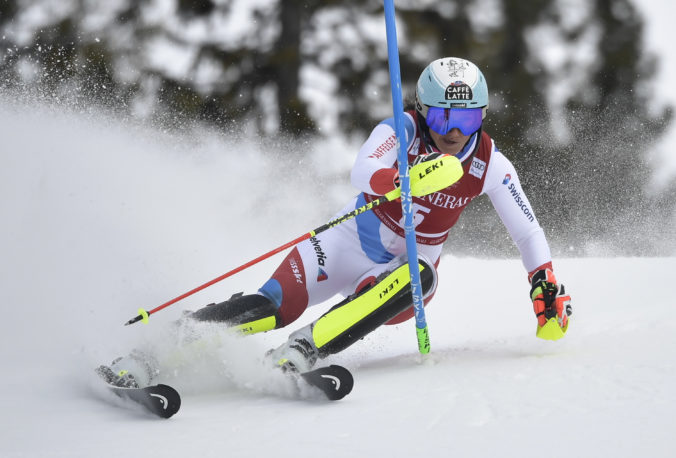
(143, 315)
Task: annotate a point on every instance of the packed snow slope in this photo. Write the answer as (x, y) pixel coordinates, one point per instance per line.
(102, 217)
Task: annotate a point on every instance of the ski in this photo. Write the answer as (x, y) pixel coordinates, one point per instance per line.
(334, 381)
(160, 400)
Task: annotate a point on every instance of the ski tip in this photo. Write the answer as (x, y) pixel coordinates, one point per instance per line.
(161, 400)
(169, 400)
(347, 382)
(334, 381)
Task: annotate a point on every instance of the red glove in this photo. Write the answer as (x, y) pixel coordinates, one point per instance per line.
(426, 157)
(551, 305)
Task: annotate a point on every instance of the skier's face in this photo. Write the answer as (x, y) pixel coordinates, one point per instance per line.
(451, 143)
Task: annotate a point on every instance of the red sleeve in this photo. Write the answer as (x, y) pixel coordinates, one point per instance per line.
(382, 181)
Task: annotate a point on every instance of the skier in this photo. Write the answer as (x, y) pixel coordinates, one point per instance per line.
(368, 253)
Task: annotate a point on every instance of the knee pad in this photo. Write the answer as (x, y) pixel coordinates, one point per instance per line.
(428, 292)
(429, 287)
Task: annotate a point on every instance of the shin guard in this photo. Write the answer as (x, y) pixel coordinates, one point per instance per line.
(358, 315)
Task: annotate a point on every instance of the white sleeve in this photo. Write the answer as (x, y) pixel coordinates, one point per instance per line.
(379, 151)
(510, 202)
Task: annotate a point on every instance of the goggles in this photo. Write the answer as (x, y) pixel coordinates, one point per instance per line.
(442, 120)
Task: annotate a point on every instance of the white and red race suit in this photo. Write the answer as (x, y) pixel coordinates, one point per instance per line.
(344, 258)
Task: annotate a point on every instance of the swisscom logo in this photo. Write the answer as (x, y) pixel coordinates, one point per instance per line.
(516, 195)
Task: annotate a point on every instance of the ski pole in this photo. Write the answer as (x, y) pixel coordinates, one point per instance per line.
(406, 201)
(430, 177)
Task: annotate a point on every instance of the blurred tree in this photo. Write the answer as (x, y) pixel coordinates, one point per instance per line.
(195, 7)
(286, 60)
(604, 168)
(7, 10)
(568, 83)
(254, 75)
(46, 52)
(579, 130)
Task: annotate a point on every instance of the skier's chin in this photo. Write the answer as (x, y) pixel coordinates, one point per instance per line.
(450, 144)
(450, 147)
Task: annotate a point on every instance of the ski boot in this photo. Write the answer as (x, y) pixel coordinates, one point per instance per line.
(133, 371)
(123, 379)
(298, 354)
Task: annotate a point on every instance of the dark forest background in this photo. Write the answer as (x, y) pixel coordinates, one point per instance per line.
(571, 101)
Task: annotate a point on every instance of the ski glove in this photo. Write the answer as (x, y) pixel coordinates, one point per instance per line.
(551, 305)
(426, 157)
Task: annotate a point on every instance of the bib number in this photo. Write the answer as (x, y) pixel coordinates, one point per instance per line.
(419, 212)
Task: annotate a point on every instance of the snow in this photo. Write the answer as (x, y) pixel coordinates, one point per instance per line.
(102, 217)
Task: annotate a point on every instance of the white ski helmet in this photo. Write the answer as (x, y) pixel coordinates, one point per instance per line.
(451, 82)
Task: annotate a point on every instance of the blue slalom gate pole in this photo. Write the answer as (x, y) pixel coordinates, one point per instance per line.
(404, 178)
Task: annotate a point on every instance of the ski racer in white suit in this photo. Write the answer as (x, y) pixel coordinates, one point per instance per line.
(361, 253)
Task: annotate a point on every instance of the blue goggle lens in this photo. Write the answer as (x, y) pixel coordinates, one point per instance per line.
(442, 120)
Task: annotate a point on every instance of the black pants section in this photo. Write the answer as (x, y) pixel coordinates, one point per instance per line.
(239, 309)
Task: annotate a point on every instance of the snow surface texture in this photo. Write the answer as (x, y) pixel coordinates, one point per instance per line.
(100, 218)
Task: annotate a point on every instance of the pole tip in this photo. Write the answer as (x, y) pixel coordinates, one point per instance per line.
(133, 320)
(423, 340)
(143, 315)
